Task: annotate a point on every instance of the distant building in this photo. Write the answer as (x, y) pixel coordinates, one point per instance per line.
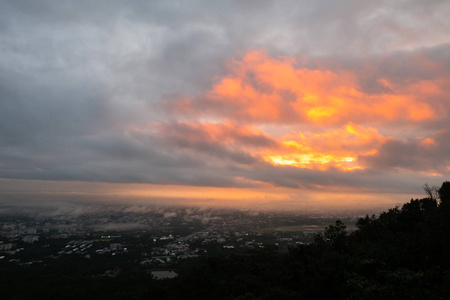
(31, 230)
(164, 274)
(6, 246)
(30, 239)
(115, 246)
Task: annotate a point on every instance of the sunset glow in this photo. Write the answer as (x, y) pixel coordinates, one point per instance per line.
(262, 89)
(215, 105)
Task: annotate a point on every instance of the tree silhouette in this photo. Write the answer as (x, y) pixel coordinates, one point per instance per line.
(431, 191)
(336, 234)
(444, 193)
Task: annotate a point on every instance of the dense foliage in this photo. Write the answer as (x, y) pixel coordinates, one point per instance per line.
(403, 253)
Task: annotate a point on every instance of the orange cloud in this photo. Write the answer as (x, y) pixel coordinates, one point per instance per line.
(335, 121)
(265, 89)
(337, 148)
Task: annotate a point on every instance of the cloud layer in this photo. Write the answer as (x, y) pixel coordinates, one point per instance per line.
(351, 95)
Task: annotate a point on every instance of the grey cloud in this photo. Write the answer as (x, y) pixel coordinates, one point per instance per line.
(225, 142)
(413, 154)
(370, 181)
(73, 75)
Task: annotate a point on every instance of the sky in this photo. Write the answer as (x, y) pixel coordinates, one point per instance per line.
(310, 105)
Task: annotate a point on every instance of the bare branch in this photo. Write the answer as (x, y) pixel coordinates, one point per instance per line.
(431, 191)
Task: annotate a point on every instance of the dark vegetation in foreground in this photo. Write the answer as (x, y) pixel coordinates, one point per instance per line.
(403, 253)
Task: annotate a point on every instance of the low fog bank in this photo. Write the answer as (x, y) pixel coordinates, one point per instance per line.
(77, 205)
